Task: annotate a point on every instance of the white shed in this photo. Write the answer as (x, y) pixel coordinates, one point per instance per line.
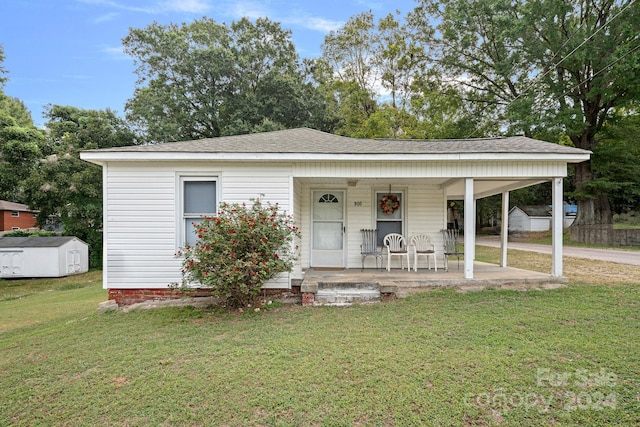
(537, 218)
(55, 256)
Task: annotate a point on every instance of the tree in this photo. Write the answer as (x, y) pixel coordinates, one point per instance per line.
(615, 162)
(239, 250)
(206, 79)
(20, 143)
(542, 65)
(65, 189)
(363, 62)
(3, 71)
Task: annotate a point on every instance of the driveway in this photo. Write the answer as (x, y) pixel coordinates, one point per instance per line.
(612, 255)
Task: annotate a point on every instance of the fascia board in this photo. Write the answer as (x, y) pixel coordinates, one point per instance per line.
(109, 156)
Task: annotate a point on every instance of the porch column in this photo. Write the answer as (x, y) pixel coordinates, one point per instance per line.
(504, 229)
(557, 222)
(469, 228)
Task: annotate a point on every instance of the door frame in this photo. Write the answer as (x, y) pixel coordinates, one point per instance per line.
(343, 258)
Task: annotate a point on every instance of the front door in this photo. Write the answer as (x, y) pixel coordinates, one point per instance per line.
(327, 245)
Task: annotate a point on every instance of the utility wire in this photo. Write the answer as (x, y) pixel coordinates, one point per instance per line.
(550, 69)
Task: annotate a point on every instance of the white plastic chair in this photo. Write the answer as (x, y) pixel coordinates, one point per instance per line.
(422, 246)
(396, 245)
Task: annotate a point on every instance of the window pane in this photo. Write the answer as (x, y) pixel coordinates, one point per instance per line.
(327, 235)
(397, 214)
(200, 197)
(386, 227)
(189, 227)
(327, 206)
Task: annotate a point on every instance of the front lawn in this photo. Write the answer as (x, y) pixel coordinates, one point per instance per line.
(562, 357)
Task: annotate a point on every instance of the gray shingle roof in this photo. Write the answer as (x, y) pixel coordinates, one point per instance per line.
(35, 242)
(11, 206)
(304, 140)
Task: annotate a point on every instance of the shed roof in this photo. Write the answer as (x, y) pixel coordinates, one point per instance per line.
(36, 242)
(534, 210)
(313, 143)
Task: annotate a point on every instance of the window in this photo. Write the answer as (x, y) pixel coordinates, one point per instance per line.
(15, 213)
(389, 213)
(15, 228)
(199, 199)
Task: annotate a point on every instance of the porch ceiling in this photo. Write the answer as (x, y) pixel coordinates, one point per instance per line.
(454, 188)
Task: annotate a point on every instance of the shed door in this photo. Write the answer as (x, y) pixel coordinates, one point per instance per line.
(73, 261)
(327, 245)
(10, 263)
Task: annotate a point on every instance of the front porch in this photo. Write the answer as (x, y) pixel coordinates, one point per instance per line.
(343, 287)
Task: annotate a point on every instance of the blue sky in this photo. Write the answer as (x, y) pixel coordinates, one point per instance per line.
(69, 52)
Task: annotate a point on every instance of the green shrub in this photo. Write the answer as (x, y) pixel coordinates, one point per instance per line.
(26, 233)
(239, 251)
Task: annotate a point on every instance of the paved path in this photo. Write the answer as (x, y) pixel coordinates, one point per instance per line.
(612, 255)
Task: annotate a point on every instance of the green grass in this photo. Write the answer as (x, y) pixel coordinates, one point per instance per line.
(33, 301)
(437, 358)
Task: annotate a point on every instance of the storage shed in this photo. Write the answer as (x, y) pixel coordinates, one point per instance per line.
(537, 218)
(55, 256)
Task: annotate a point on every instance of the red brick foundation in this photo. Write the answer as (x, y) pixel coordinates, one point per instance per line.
(134, 296)
(124, 297)
(308, 298)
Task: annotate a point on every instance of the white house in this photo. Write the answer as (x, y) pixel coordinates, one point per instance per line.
(331, 185)
(54, 256)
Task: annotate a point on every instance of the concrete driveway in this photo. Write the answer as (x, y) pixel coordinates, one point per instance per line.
(631, 257)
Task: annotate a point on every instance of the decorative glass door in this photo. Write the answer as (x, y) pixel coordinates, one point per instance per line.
(327, 245)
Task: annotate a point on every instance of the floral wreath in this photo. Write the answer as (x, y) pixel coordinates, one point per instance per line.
(389, 204)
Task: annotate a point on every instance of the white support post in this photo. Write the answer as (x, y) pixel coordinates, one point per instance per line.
(469, 228)
(557, 222)
(504, 229)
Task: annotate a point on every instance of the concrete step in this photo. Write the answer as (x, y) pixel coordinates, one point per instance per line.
(346, 296)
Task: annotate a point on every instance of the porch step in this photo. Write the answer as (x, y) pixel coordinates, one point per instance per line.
(346, 296)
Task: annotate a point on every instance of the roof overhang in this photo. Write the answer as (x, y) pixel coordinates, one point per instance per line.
(102, 157)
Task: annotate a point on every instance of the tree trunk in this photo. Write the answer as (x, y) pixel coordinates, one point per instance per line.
(594, 222)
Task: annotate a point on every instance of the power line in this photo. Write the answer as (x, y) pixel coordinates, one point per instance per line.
(554, 66)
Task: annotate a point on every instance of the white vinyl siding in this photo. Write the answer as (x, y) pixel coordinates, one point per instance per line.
(476, 169)
(143, 216)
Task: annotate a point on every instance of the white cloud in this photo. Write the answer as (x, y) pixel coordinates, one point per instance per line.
(249, 9)
(105, 18)
(155, 7)
(115, 53)
(316, 23)
(189, 6)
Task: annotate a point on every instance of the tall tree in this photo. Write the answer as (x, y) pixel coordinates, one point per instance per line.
(3, 71)
(20, 143)
(615, 162)
(66, 189)
(543, 64)
(206, 79)
(366, 63)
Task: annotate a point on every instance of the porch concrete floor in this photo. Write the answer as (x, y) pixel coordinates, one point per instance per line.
(402, 282)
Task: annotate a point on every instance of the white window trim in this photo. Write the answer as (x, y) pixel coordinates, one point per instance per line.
(181, 178)
(15, 214)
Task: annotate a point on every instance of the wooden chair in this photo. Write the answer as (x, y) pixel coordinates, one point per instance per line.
(451, 247)
(369, 246)
(396, 245)
(422, 246)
